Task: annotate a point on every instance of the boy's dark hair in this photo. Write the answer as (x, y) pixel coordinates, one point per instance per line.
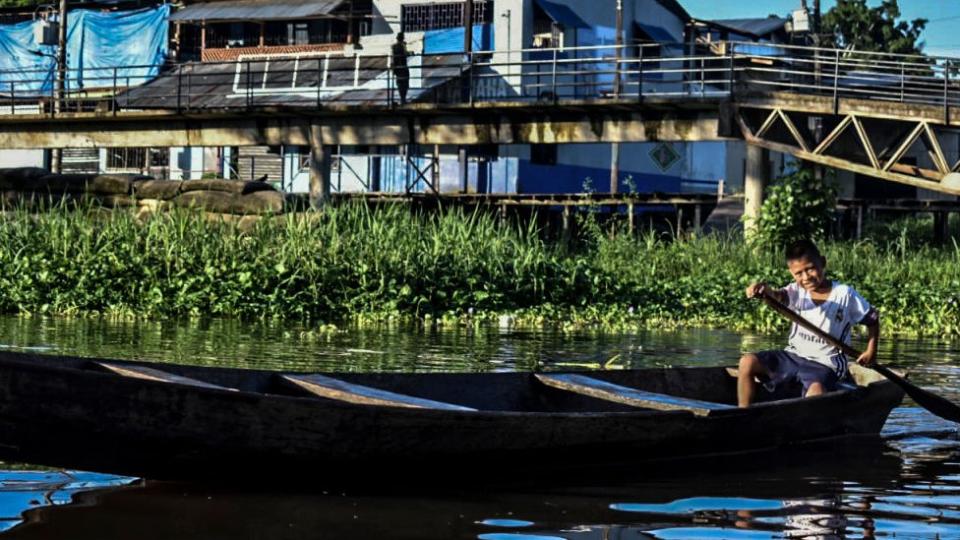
(802, 249)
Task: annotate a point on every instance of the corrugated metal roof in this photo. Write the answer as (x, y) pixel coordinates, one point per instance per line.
(256, 10)
(217, 86)
(756, 27)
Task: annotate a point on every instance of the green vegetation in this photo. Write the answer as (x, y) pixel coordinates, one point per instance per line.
(355, 264)
(21, 3)
(797, 205)
(853, 25)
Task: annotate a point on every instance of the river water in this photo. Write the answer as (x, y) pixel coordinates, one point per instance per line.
(905, 486)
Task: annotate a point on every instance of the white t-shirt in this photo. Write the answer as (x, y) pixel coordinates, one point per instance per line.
(836, 316)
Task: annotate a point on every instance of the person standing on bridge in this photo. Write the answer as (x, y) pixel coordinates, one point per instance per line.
(401, 72)
(809, 360)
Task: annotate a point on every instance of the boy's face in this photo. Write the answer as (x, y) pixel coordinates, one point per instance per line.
(808, 272)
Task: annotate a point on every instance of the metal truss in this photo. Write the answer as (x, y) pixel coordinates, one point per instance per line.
(880, 148)
(429, 174)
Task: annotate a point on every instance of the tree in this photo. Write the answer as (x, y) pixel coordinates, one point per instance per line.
(851, 24)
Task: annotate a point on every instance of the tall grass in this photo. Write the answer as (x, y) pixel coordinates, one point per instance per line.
(357, 263)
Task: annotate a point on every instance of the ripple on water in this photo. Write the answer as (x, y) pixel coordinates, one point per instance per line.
(705, 533)
(506, 523)
(517, 536)
(699, 504)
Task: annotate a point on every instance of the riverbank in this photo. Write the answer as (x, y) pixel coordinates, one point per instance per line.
(354, 264)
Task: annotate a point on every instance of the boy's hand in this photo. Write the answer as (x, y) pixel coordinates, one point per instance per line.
(868, 357)
(755, 290)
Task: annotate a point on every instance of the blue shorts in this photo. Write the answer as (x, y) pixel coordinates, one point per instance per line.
(786, 368)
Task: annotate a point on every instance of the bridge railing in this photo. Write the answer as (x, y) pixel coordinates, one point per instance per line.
(915, 79)
(628, 73)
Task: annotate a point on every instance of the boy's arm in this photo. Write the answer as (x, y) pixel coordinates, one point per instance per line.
(755, 290)
(869, 355)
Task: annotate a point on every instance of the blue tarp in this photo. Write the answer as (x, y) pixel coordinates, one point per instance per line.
(137, 39)
(20, 69)
(96, 43)
(450, 40)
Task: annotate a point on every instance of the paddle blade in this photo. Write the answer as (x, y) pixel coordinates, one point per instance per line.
(935, 404)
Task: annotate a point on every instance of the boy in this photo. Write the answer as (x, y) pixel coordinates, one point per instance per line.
(808, 359)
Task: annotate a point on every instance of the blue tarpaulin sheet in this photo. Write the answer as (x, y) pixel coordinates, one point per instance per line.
(96, 44)
(20, 69)
(451, 40)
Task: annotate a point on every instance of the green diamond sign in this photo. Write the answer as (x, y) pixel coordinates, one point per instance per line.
(664, 156)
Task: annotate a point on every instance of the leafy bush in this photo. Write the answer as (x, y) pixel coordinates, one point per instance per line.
(797, 205)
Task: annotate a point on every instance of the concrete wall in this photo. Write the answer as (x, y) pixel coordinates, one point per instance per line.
(186, 163)
(22, 158)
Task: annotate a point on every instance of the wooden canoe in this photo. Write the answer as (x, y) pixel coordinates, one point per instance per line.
(165, 421)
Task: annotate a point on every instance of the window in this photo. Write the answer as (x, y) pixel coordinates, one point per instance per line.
(421, 17)
(305, 32)
(298, 33)
(158, 157)
(126, 158)
(543, 154)
(546, 32)
(237, 34)
(137, 159)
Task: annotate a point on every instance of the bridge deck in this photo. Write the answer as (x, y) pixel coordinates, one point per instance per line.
(576, 95)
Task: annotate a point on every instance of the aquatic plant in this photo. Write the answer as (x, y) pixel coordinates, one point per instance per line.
(358, 264)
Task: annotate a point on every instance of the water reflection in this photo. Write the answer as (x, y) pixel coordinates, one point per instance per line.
(907, 485)
(30, 489)
(826, 491)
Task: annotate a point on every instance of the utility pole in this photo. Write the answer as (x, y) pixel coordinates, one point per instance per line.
(468, 26)
(818, 170)
(56, 155)
(618, 43)
(462, 153)
(816, 23)
(615, 147)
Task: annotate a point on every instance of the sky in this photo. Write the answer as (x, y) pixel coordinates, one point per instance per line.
(942, 35)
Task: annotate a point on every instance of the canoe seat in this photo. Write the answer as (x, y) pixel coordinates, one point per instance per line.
(331, 388)
(150, 374)
(596, 388)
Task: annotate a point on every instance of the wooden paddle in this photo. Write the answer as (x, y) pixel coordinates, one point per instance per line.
(937, 405)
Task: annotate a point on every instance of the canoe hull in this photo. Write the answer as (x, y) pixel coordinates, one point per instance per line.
(77, 418)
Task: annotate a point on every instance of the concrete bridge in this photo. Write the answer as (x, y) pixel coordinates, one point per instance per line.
(893, 117)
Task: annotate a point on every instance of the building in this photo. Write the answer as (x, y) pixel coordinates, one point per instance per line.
(518, 31)
(339, 49)
(219, 34)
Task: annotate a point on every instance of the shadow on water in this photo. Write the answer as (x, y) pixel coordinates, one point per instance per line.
(829, 490)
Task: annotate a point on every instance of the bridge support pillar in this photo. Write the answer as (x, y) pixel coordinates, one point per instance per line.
(755, 182)
(614, 168)
(321, 156)
(464, 163)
